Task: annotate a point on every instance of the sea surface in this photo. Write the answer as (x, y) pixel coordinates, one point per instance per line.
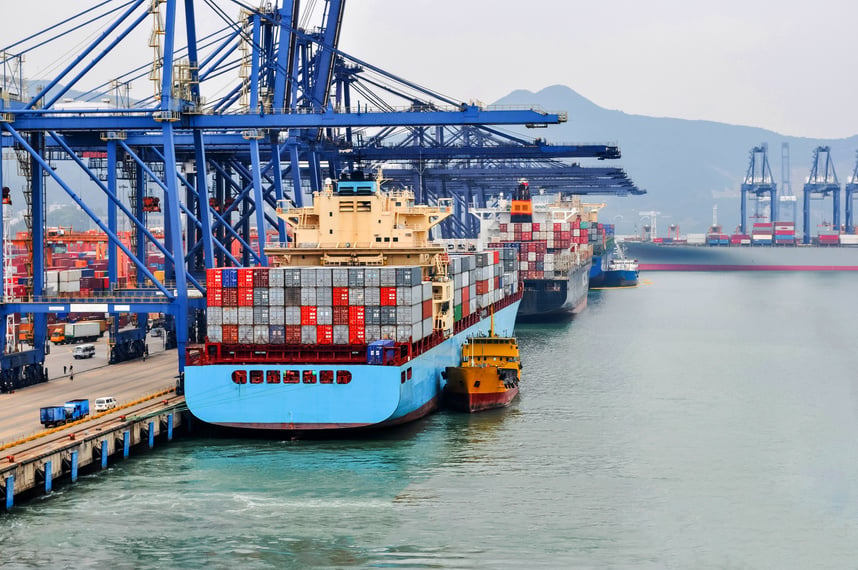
(701, 420)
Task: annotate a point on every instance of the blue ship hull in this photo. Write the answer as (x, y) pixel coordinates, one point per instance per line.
(617, 278)
(376, 395)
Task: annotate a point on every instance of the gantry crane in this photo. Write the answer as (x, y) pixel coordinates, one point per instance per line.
(760, 183)
(822, 182)
(243, 108)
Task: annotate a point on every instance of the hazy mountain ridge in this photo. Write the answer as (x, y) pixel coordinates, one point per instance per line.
(686, 166)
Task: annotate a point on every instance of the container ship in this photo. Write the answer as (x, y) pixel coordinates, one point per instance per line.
(354, 321)
(552, 246)
(769, 247)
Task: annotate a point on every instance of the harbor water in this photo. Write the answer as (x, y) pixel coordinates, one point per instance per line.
(701, 420)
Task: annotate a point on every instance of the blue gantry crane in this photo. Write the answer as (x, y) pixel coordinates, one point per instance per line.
(822, 182)
(849, 190)
(759, 184)
(240, 116)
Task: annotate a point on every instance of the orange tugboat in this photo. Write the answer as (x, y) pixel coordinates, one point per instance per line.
(487, 376)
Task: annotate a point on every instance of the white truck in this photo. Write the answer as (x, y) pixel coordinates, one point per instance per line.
(86, 331)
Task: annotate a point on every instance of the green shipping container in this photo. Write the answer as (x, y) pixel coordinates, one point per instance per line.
(457, 313)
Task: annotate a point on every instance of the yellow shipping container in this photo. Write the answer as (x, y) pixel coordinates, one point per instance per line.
(159, 275)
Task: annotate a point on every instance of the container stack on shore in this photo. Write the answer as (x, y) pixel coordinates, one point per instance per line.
(784, 233)
(345, 305)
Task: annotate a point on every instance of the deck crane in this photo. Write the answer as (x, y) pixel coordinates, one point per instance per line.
(760, 183)
(850, 189)
(821, 182)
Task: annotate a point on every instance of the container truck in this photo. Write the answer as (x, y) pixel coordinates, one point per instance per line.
(85, 331)
(58, 415)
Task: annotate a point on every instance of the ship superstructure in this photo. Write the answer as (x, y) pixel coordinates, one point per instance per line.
(353, 322)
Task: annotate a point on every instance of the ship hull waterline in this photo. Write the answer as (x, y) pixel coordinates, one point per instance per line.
(376, 396)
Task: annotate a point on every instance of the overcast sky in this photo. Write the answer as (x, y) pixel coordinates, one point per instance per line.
(786, 65)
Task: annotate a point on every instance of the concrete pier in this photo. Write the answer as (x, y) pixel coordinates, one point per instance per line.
(35, 464)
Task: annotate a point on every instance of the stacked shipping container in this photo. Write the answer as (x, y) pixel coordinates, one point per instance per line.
(544, 249)
(345, 306)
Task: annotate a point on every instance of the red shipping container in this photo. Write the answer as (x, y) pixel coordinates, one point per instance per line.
(215, 297)
(496, 257)
(341, 315)
(230, 297)
(535, 226)
(325, 334)
(357, 315)
(214, 278)
(526, 236)
(497, 283)
(388, 296)
(293, 334)
(503, 227)
(230, 334)
(482, 287)
(356, 334)
(245, 277)
(341, 296)
(466, 294)
(245, 297)
(308, 315)
(427, 305)
(260, 277)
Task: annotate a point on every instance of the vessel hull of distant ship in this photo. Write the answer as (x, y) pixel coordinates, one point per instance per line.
(656, 257)
(546, 299)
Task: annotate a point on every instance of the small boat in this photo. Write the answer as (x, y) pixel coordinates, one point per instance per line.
(621, 271)
(488, 375)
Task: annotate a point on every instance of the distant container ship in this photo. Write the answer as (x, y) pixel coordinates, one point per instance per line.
(553, 249)
(354, 323)
(769, 247)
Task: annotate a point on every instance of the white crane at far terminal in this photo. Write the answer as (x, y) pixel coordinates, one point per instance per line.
(652, 217)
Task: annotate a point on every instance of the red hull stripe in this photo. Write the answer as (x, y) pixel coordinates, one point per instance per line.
(707, 267)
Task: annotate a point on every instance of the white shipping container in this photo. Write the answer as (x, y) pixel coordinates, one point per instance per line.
(291, 316)
(276, 297)
(372, 333)
(340, 277)
(849, 239)
(214, 333)
(276, 277)
(308, 277)
(308, 334)
(260, 334)
(230, 315)
(245, 334)
(388, 332)
(214, 316)
(308, 295)
(277, 315)
(372, 295)
(245, 316)
(696, 239)
(341, 334)
(325, 296)
(427, 290)
(403, 333)
(427, 327)
(324, 315)
(356, 296)
(69, 286)
(372, 277)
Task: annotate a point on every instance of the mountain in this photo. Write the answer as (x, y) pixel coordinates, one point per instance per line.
(687, 167)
